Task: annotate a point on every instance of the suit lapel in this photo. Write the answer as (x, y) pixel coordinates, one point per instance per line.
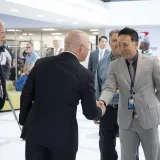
(97, 56)
(125, 71)
(139, 68)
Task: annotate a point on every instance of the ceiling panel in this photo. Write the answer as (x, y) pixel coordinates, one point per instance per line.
(18, 22)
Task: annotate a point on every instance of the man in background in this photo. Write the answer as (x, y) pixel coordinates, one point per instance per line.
(108, 128)
(144, 47)
(30, 59)
(57, 47)
(97, 55)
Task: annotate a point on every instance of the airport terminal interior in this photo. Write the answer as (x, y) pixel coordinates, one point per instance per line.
(40, 23)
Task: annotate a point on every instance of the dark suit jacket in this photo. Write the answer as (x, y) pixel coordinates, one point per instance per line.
(49, 101)
(2, 83)
(94, 59)
(51, 53)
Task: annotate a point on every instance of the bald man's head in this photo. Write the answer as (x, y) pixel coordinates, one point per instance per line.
(2, 32)
(77, 42)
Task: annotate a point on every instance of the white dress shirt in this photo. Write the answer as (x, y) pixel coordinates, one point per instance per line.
(5, 56)
(101, 53)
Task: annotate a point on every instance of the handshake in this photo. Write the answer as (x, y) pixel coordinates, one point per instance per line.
(102, 106)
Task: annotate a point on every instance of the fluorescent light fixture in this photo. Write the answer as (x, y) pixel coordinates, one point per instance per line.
(40, 15)
(56, 34)
(30, 34)
(14, 10)
(59, 20)
(27, 34)
(74, 22)
(95, 33)
(48, 29)
(94, 30)
(13, 30)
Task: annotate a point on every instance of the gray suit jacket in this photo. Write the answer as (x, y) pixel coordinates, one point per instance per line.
(51, 53)
(147, 80)
(94, 59)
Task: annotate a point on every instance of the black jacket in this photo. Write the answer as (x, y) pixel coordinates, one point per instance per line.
(49, 101)
(2, 84)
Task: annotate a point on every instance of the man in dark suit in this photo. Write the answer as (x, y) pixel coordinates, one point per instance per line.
(57, 49)
(2, 79)
(97, 55)
(49, 102)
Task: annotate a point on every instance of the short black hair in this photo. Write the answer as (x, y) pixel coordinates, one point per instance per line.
(130, 32)
(103, 37)
(113, 31)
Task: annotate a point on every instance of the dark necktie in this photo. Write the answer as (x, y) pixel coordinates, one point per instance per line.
(131, 70)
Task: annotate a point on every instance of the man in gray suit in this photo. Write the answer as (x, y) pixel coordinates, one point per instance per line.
(97, 55)
(56, 50)
(137, 76)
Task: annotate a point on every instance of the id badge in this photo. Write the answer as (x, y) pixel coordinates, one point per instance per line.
(131, 104)
(117, 94)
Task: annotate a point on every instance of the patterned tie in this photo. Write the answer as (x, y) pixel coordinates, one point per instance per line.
(131, 70)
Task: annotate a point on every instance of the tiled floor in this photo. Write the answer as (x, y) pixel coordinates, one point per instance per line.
(12, 147)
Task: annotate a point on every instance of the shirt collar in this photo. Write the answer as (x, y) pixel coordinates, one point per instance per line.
(134, 59)
(102, 50)
(144, 52)
(72, 53)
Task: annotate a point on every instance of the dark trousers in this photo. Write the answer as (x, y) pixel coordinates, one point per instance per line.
(108, 131)
(6, 71)
(35, 151)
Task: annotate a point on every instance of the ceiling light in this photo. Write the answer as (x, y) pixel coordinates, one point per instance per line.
(40, 15)
(27, 34)
(56, 34)
(48, 29)
(14, 10)
(94, 30)
(30, 34)
(13, 30)
(95, 33)
(59, 20)
(74, 22)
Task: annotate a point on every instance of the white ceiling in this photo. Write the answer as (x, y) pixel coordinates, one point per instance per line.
(72, 13)
(82, 14)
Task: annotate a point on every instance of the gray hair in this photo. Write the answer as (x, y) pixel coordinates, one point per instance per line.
(113, 31)
(146, 42)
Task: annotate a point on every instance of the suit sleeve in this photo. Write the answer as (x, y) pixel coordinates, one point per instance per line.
(97, 80)
(90, 63)
(156, 76)
(27, 95)
(111, 86)
(88, 101)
